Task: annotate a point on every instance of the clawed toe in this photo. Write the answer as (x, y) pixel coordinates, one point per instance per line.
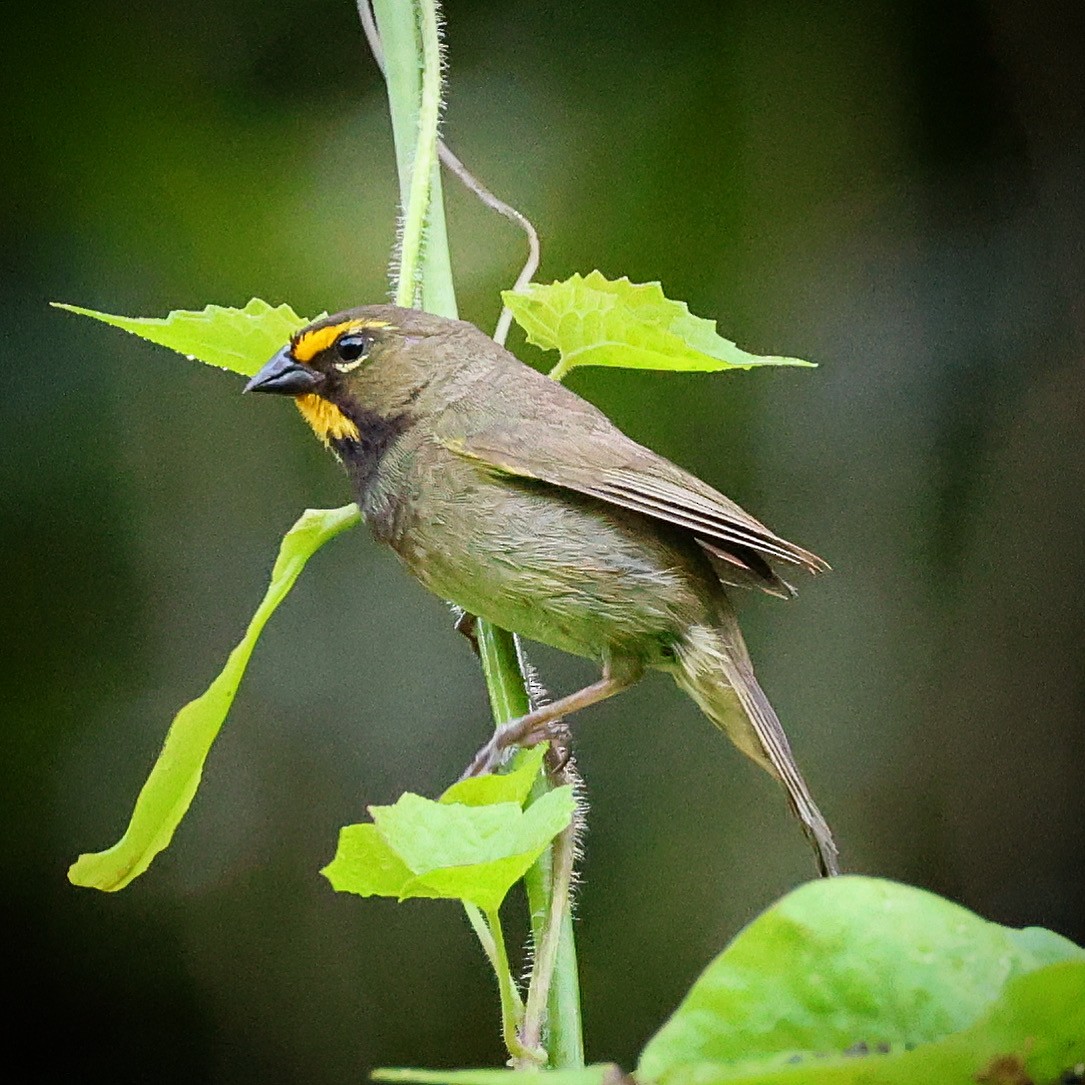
(466, 624)
(545, 722)
(486, 760)
(512, 737)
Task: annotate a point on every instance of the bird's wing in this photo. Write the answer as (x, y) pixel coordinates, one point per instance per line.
(586, 453)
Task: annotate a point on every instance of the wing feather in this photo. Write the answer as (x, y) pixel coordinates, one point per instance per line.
(680, 506)
(560, 439)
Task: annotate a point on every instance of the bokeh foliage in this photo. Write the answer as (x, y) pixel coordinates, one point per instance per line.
(889, 189)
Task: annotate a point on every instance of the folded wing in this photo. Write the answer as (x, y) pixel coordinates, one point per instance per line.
(587, 454)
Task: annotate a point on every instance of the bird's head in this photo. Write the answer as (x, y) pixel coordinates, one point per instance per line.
(358, 368)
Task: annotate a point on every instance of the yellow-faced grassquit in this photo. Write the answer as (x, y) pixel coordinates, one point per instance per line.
(510, 496)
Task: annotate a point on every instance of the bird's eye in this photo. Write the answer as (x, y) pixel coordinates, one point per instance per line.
(352, 348)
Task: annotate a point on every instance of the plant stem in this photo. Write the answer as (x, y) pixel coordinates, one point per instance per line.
(560, 371)
(548, 951)
(524, 1057)
(424, 164)
(492, 939)
(550, 906)
(500, 658)
(555, 976)
(455, 164)
(408, 32)
(412, 63)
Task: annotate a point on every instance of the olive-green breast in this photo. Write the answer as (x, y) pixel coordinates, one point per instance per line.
(556, 567)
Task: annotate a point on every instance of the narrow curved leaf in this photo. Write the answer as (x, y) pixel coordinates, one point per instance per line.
(176, 774)
(240, 340)
(592, 320)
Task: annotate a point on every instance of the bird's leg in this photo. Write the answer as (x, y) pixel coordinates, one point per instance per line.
(536, 725)
(465, 623)
(560, 754)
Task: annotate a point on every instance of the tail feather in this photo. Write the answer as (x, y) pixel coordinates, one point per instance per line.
(715, 670)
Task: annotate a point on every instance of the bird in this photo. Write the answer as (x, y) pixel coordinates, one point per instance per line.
(518, 501)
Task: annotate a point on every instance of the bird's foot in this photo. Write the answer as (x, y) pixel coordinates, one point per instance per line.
(516, 734)
(560, 755)
(486, 760)
(545, 722)
(465, 624)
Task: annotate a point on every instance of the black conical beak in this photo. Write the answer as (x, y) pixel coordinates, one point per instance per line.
(285, 377)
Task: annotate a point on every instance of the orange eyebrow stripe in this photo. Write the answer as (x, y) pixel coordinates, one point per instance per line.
(310, 343)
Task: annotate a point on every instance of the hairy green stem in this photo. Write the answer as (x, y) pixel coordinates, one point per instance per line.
(411, 54)
(555, 975)
(548, 945)
(424, 164)
(501, 668)
(453, 163)
(550, 908)
(404, 37)
(512, 1009)
(492, 939)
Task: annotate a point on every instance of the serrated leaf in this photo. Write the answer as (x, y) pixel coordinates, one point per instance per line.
(512, 786)
(240, 340)
(457, 852)
(842, 962)
(471, 853)
(592, 320)
(365, 864)
(175, 776)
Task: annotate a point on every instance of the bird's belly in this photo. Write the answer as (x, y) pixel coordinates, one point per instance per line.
(563, 570)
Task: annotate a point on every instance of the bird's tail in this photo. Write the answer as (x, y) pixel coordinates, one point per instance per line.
(714, 669)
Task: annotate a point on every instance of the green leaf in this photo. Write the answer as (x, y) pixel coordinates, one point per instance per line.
(1043, 946)
(1034, 1033)
(843, 962)
(469, 853)
(240, 340)
(512, 786)
(365, 864)
(600, 1074)
(596, 321)
(176, 774)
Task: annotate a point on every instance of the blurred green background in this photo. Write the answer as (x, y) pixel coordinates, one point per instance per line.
(893, 190)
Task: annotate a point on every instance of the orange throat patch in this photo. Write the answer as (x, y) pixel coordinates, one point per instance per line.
(327, 420)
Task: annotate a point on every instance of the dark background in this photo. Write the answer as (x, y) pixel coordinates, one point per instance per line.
(893, 190)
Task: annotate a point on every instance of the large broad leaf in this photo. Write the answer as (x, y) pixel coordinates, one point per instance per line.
(240, 340)
(176, 774)
(421, 848)
(1033, 1035)
(863, 965)
(596, 321)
